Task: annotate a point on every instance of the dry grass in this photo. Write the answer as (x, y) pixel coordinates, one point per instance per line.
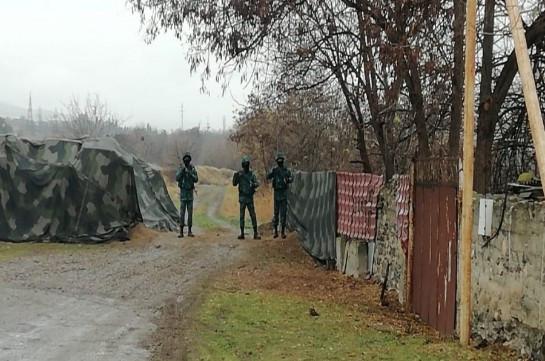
(173, 190)
(142, 235)
(229, 208)
(207, 175)
(214, 176)
(263, 202)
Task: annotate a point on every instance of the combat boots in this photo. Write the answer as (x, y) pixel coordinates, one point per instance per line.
(275, 232)
(241, 233)
(189, 233)
(283, 231)
(256, 235)
(181, 235)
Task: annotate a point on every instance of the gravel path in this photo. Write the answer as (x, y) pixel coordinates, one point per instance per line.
(104, 303)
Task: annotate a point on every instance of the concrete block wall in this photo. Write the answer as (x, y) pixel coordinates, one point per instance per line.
(508, 277)
(352, 257)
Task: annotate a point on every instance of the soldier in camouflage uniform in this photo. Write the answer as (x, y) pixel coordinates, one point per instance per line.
(186, 176)
(247, 183)
(281, 177)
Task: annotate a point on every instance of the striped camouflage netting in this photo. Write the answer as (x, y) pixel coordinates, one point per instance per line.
(312, 214)
(77, 191)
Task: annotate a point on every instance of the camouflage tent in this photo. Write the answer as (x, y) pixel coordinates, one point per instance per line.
(77, 191)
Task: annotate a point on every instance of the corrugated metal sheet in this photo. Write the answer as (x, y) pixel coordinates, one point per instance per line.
(402, 210)
(357, 199)
(311, 212)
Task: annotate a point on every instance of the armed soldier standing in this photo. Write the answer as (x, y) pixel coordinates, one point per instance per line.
(282, 177)
(247, 183)
(186, 176)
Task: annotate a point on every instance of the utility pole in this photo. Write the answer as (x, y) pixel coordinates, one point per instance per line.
(224, 128)
(30, 117)
(528, 85)
(467, 168)
(29, 111)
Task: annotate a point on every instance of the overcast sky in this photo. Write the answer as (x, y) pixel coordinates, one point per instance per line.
(59, 48)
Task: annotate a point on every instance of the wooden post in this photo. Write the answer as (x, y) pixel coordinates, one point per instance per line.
(410, 245)
(467, 168)
(528, 85)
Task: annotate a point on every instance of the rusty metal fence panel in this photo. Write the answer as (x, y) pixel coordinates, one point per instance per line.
(357, 199)
(435, 242)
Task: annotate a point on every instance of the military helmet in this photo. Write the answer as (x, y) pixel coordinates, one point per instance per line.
(279, 155)
(245, 159)
(186, 155)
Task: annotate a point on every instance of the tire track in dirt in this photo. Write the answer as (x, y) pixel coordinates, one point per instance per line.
(169, 341)
(213, 208)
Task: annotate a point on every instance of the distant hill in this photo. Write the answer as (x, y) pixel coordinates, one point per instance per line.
(13, 111)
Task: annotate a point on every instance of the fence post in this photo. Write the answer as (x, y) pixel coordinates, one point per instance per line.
(410, 244)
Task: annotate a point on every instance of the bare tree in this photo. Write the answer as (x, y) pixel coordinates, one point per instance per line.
(313, 130)
(397, 65)
(90, 118)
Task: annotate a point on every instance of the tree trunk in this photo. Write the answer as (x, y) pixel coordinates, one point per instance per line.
(485, 128)
(364, 156)
(370, 88)
(457, 79)
(386, 152)
(490, 106)
(412, 79)
(358, 124)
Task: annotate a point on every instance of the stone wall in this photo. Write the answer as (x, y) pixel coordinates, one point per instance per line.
(508, 293)
(353, 256)
(387, 246)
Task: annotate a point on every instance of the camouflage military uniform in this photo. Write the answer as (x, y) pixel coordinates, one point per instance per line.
(186, 176)
(281, 177)
(247, 183)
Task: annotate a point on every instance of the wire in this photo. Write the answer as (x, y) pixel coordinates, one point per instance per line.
(501, 222)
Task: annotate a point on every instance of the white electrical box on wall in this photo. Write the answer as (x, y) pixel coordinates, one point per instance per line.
(486, 207)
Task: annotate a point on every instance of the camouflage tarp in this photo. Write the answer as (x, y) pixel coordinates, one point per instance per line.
(312, 214)
(77, 191)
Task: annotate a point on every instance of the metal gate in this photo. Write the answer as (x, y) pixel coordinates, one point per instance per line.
(435, 242)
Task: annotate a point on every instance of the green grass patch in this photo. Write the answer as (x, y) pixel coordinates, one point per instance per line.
(9, 251)
(235, 221)
(267, 326)
(200, 212)
(202, 221)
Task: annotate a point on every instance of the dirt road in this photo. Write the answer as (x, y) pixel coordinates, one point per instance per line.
(104, 303)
